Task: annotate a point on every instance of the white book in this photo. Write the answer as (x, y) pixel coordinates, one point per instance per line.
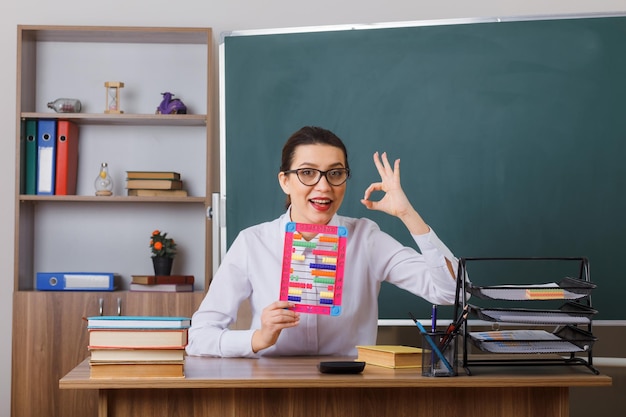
(138, 322)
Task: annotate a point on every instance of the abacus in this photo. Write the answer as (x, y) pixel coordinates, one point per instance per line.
(312, 272)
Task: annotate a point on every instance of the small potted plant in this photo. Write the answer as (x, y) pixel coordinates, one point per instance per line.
(163, 251)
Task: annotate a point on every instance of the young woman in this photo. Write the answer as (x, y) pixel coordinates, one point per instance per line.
(313, 175)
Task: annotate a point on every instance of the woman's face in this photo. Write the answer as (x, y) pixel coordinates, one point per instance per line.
(314, 204)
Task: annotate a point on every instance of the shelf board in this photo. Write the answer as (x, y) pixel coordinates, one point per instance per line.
(115, 34)
(112, 199)
(124, 119)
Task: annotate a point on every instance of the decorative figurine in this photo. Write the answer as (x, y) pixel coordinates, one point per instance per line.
(113, 97)
(65, 105)
(104, 182)
(171, 105)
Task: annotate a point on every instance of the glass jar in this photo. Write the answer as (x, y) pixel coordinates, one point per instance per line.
(104, 182)
(65, 105)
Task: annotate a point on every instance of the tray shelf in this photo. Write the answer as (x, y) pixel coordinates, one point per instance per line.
(566, 339)
(568, 313)
(566, 289)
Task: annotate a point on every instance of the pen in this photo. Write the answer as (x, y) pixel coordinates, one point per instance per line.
(432, 344)
(433, 328)
(433, 317)
(454, 326)
(450, 336)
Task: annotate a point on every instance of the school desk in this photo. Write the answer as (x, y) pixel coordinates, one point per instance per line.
(294, 387)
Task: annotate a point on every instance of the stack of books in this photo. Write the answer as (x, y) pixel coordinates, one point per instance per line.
(162, 283)
(137, 346)
(154, 184)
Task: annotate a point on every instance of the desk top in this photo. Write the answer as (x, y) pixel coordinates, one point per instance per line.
(302, 372)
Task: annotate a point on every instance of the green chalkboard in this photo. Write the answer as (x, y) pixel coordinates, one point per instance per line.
(512, 135)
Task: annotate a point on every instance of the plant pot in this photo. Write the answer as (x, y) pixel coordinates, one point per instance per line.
(162, 265)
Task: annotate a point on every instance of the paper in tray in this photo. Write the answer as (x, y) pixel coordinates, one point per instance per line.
(567, 289)
(567, 339)
(568, 313)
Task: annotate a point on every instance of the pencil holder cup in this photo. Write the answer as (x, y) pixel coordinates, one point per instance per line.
(438, 354)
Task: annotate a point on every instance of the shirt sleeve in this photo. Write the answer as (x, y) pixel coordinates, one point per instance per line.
(209, 334)
(435, 252)
(424, 274)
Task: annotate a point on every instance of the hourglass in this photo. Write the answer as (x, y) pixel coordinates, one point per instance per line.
(113, 97)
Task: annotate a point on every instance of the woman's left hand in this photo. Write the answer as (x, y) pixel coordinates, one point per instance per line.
(394, 202)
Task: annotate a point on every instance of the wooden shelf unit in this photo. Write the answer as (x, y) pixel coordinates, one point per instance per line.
(83, 232)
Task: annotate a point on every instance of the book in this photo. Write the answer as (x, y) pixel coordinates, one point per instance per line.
(67, 158)
(137, 370)
(139, 192)
(162, 279)
(136, 355)
(159, 175)
(155, 184)
(161, 287)
(390, 356)
(138, 322)
(137, 338)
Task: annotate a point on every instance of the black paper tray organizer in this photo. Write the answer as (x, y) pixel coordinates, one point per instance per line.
(566, 289)
(568, 313)
(562, 334)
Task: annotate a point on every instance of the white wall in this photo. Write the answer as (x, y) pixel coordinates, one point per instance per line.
(224, 15)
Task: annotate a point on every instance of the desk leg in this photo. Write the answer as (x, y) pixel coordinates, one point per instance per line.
(103, 405)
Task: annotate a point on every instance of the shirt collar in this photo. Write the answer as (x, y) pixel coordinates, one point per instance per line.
(286, 218)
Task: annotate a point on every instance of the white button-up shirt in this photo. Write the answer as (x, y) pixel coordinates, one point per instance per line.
(252, 269)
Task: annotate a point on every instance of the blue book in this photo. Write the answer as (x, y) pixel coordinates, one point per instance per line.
(46, 156)
(138, 322)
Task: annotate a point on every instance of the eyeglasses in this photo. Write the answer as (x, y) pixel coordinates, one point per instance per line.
(311, 176)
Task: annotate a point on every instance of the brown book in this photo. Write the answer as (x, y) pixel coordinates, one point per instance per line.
(139, 192)
(136, 355)
(161, 287)
(162, 279)
(137, 338)
(159, 175)
(137, 370)
(390, 356)
(155, 184)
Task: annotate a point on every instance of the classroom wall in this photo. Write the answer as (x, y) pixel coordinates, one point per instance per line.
(221, 16)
